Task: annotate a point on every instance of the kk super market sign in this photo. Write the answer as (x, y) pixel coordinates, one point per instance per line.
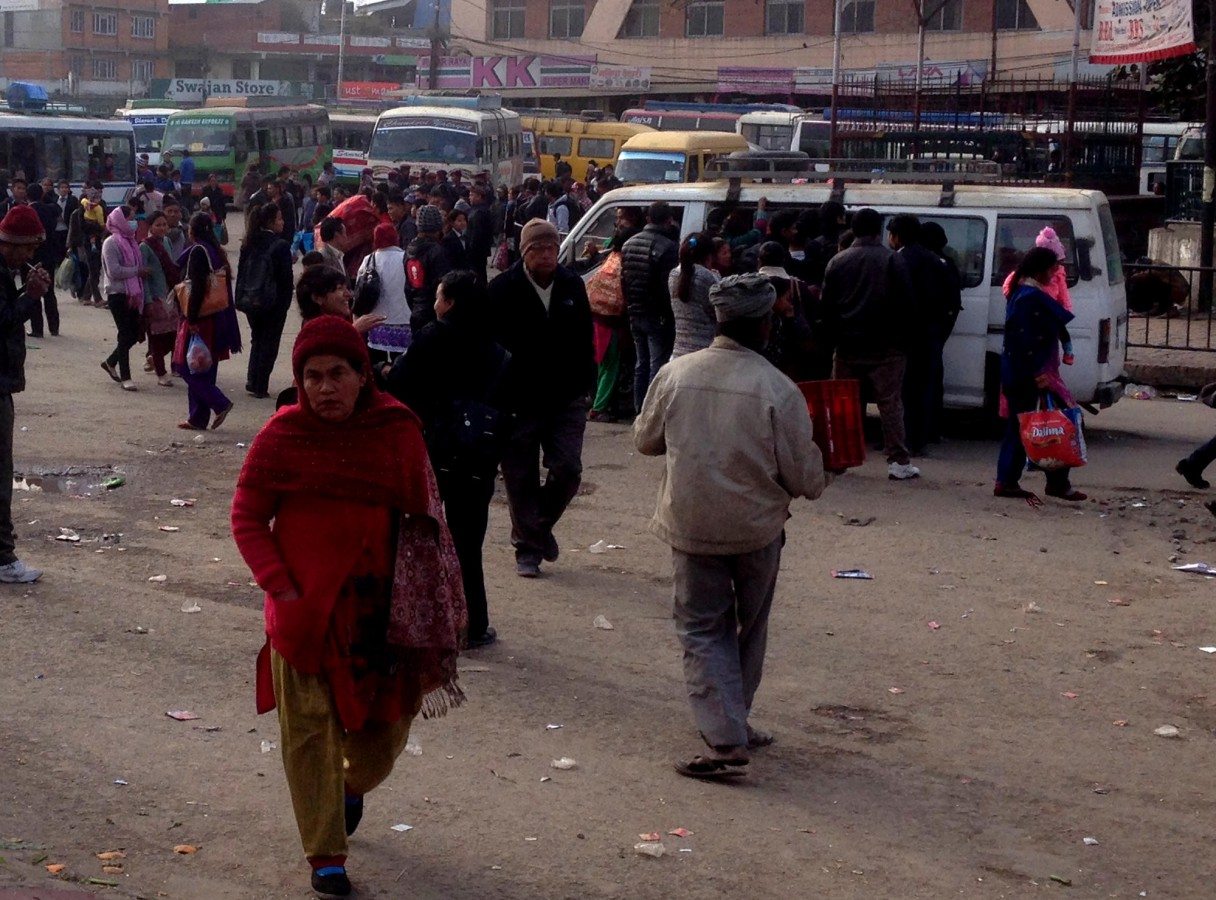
(508, 72)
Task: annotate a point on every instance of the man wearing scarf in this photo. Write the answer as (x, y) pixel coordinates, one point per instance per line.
(21, 233)
(338, 516)
(736, 434)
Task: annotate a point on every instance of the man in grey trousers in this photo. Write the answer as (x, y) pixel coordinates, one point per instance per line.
(737, 438)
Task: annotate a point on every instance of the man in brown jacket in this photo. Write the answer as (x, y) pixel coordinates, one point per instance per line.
(737, 438)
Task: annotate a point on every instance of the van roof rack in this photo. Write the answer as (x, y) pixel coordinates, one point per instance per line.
(794, 167)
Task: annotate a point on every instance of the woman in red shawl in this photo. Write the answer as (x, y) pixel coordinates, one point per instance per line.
(337, 514)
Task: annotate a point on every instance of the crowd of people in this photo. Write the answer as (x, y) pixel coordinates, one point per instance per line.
(362, 506)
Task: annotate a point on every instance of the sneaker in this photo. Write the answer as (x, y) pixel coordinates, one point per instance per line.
(551, 551)
(18, 572)
(486, 638)
(165, 381)
(902, 471)
(526, 568)
(1193, 476)
(111, 371)
(331, 881)
(129, 386)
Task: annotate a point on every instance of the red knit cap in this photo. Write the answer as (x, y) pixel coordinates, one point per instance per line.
(329, 336)
(384, 236)
(21, 226)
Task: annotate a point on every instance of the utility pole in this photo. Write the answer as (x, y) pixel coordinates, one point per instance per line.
(1209, 170)
(921, 22)
(833, 151)
(436, 49)
(341, 45)
(992, 68)
(1070, 131)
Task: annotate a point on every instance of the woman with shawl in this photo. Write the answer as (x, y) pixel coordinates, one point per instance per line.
(338, 516)
(160, 316)
(1035, 324)
(219, 331)
(122, 273)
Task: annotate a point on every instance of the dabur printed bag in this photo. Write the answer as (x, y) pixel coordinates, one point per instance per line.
(1053, 437)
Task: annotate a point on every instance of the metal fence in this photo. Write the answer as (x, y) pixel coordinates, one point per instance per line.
(1184, 190)
(1164, 312)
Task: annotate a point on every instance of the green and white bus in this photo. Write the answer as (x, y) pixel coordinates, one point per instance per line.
(226, 139)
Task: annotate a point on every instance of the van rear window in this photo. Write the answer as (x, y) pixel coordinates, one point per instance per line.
(1015, 236)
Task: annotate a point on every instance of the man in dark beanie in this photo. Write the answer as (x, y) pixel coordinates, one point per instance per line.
(21, 234)
(541, 317)
(736, 434)
(425, 264)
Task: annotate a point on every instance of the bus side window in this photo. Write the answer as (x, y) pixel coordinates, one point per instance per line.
(23, 156)
(295, 136)
(78, 158)
(240, 146)
(308, 136)
(51, 156)
(694, 167)
(323, 135)
(264, 141)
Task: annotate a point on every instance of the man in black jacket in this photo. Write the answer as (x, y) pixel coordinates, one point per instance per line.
(931, 315)
(865, 305)
(481, 230)
(646, 261)
(425, 263)
(20, 235)
(542, 318)
(50, 255)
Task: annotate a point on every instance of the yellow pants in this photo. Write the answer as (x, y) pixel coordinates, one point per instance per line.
(322, 760)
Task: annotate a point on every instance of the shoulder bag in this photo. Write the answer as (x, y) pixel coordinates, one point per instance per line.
(216, 299)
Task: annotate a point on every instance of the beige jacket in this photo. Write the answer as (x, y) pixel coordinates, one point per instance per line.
(737, 436)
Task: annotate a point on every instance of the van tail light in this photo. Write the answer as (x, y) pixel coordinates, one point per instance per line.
(1104, 333)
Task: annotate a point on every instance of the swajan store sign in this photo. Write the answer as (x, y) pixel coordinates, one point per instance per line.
(201, 88)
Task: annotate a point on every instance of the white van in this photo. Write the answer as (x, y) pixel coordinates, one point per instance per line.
(989, 229)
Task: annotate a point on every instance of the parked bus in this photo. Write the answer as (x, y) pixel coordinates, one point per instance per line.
(428, 133)
(578, 140)
(78, 149)
(672, 116)
(226, 139)
(352, 136)
(148, 120)
(807, 132)
(1160, 144)
(673, 156)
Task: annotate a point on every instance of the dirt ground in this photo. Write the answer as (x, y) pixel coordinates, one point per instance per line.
(969, 759)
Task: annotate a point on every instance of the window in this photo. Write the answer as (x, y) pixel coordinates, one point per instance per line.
(783, 17)
(105, 23)
(9, 30)
(143, 70)
(566, 18)
(105, 68)
(944, 15)
(705, 18)
(857, 16)
(1015, 15)
(1015, 235)
(1110, 242)
(597, 148)
(642, 20)
(507, 18)
(552, 143)
(77, 21)
(966, 244)
(76, 62)
(143, 26)
(242, 68)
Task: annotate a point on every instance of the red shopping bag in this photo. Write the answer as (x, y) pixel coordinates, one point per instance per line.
(1052, 437)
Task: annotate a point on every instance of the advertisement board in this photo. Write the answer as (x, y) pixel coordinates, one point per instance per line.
(1140, 31)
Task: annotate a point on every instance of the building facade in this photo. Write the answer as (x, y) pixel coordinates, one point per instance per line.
(115, 49)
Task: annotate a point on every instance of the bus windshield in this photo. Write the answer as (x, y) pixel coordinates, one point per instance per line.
(768, 137)
(635, 167)
(148, 137)
(425, 140)
(210, 136)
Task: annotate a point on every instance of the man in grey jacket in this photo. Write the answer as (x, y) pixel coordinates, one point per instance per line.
(737, 437)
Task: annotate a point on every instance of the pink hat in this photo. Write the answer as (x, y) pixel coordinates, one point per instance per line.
(1049, 240)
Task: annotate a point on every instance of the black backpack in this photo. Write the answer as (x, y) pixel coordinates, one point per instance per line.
(256, 289)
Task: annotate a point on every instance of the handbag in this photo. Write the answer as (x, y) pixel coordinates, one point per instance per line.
(65, 274)
(367, 289)
(604, 291)
(502, 259)
(471, 437)
(216, 298)
(1053, 437)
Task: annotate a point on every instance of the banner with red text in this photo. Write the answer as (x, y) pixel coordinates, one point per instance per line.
(1141, 31)
(367, 90)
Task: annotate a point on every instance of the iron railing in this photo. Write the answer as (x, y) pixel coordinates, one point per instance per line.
(1163, 308)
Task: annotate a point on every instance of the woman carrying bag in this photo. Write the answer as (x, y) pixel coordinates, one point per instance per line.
(208, 333)
(122, 274)
(160, 315)
(1035, 325)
